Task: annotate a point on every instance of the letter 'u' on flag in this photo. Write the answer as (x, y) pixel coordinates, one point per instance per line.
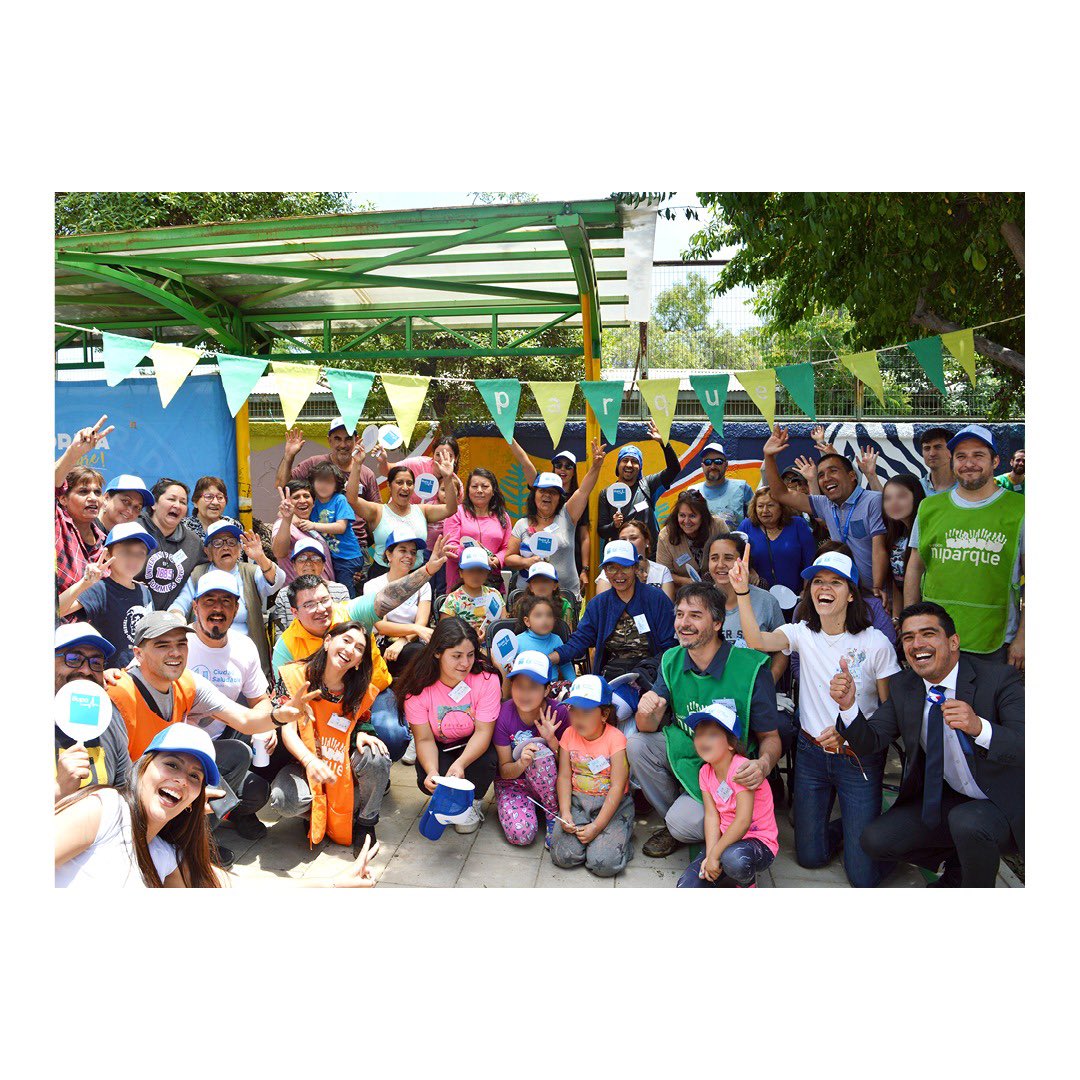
(121, 356)
(864, 366)
(712, 393)
(961, 343)
(294, 383)
(172, 365)
(350, 390)
(605, 400)
(553, 400)
(239, 374)
(662, 396)
(761, 386)
(406, 394)
(502, 397)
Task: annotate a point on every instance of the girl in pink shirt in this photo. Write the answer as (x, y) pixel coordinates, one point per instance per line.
(740, 828)
(481, 517)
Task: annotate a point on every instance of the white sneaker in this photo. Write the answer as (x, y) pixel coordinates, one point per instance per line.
(409, 757)
(473, 816)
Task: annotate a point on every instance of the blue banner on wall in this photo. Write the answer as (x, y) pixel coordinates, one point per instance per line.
(195, 436)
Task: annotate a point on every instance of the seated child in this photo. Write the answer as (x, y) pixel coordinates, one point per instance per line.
(527, 742)
(473, 600)
(544, 581)
(538, 615)
(595, 806)
(740, 828)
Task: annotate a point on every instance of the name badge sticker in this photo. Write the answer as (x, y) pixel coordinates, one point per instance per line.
(641, 624)
(460, 691)
(338, 723)
(683, 559)
(724, 791)
(598, 764)
(639, 506)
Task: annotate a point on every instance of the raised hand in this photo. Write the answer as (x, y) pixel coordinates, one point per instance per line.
(297, 708)
(776, 442)
(739, 574)
(806, 468)
(599, 452)
(548, 724)
(251, 544)
(87, 438)
(294, 441)
(95, 571)
(822, 447)
(868, 462)
(654, 431)
(438, 556)
(842, 686)
(444, 456)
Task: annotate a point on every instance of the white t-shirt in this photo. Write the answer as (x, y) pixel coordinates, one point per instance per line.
(406, 611)
(109, 862)
(234, 669)
(870, 657)
(659, 574)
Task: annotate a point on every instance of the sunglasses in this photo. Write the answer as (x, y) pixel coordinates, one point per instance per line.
(76, 660)
(714, 461)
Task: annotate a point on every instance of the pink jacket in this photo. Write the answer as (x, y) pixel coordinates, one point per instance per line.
(485, 531)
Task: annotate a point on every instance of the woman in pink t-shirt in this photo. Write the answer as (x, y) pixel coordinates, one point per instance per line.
(481, 517)
(740, 827)
(451, 697)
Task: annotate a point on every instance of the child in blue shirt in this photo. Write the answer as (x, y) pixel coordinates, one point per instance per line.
(538, 615)
(332, 518)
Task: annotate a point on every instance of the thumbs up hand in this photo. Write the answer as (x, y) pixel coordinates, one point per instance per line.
(842, 687)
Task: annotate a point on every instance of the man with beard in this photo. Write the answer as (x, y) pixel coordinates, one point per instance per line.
(728, 499)
(81, 653)
(967, 552)
(1013, 480)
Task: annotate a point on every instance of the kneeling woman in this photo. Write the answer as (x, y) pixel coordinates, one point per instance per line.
(320, 785)
(832, 625)
(451, 698)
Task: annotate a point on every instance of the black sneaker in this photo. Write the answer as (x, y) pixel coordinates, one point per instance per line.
(225, 857)
(661, 844)
(248, 826)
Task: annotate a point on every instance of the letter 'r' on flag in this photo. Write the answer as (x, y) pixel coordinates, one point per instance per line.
(605, 400)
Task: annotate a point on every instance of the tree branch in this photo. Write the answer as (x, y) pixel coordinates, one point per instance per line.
(999, 354)
(1014, 237)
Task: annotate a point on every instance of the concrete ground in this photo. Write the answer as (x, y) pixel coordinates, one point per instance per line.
(484, 859)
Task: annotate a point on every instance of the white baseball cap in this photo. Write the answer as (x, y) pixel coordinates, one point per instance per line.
(307, 544)
(131, 530)
(589, 692)
(723, 714)
(837, 563)
(620, 551)
(337, 422)
(534, 664)
(217, 581)
(718, 447)
(543, 569)
(572, 458)
(547, 480)
(473, 557)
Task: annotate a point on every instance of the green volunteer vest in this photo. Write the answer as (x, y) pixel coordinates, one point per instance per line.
(969, 557)
(691, 692)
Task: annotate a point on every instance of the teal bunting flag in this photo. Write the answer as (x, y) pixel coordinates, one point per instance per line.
(239, 374)
(712, 393)
(350, 389)
(798, 380)
(121, 356)
(605, 400)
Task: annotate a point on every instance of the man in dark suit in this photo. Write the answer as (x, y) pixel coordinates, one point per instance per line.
(961, 721)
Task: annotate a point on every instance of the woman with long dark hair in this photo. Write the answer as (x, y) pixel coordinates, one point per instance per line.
(482, 519)
(686, 535)
(782, 541)
(451, 697)
(339, 786)
(900, 500)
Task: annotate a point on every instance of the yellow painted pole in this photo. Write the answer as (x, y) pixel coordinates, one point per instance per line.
(592, 431)
(243, 467)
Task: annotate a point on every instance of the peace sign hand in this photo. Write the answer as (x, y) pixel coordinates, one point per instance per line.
(285, 508)
(739, 574)
(88, 438)
(94, 571)
(599, 452)
(297, 708)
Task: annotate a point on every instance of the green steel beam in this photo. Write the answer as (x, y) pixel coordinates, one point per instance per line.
(276, 333)
(572, 229)
(471, 342)
(367, 334)
(540, 329)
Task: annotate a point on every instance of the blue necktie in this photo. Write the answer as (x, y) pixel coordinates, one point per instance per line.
(934, 777)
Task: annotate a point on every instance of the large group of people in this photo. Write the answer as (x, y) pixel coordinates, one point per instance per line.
(754, 634)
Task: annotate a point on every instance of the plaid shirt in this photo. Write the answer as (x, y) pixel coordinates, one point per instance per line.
(72, 554)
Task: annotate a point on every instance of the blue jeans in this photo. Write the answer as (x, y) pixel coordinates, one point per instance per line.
(819, 779)
(388, 723)
(741, 862)
(344, 569)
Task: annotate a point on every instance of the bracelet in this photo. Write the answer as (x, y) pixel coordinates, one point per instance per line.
(747, 593)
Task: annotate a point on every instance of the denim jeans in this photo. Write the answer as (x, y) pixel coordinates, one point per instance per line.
(820, 779)
(741, 862)
(344, 569)
(388, 723)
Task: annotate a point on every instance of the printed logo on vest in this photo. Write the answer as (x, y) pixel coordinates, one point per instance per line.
(976, 546)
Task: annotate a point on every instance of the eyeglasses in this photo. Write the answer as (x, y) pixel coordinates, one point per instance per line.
(714, 461)
(76, 660)
(309, 556)
(315, 605)
(224, 542)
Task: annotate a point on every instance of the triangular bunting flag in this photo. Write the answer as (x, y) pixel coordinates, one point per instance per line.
(605, 400)
(712, 393)
(121, 356)
(294, 383)
(350, 389)
(406, 394)
(662, 396)
(172, 365)
(928, 352)
(553, 401)
(502, 397)
(761, 386)
(239, 374)
(961, 343)
(798, 380)
(864, 366)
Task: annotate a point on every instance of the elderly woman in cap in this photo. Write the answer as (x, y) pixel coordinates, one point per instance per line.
(125, 497)
(644, 490)
(648, 571)
(294, 511)
(727, 499)
(307, 558)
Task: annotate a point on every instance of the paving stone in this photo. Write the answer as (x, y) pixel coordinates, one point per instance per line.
(486, 871)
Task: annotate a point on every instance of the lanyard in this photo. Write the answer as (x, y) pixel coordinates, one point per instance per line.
(844, 529)
(772, 561)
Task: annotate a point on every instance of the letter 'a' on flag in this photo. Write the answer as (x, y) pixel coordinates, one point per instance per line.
(406, 394)
(605, 400)
(553, 400)
(294, 383)
(172, 365)
(661, 396)
(121, 356)
(798, 380)
(864, 366)
(350, 390)
(502, 397)
(928, 352)
(712, 393)
(761, 386)
(239, 375)
(961, 343)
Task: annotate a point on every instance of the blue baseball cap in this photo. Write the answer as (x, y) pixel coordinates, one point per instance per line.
(184, 738)
(547, 480)
(217, 581)
(405, 535)
(131, 530)
(80, 633)
(719, 713)
(219, 528)
(836, 562)
(629, 451)
(130, 482)
(533, 664)
(589, 692)
(973, 431)
(620, 551)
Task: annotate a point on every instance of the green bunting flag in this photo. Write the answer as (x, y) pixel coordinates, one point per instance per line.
(121, 356)
(605, 400)
(661, 396)
(406, 394)
(961, 343)
(350, 390)
(712, 393)
(553, 401)
(928, 352)
(502, 397)
(798, 380)
(239, 374)
(761, 386)
(864, 366)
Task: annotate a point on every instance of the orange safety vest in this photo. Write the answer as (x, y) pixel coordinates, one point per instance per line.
(141, 721)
